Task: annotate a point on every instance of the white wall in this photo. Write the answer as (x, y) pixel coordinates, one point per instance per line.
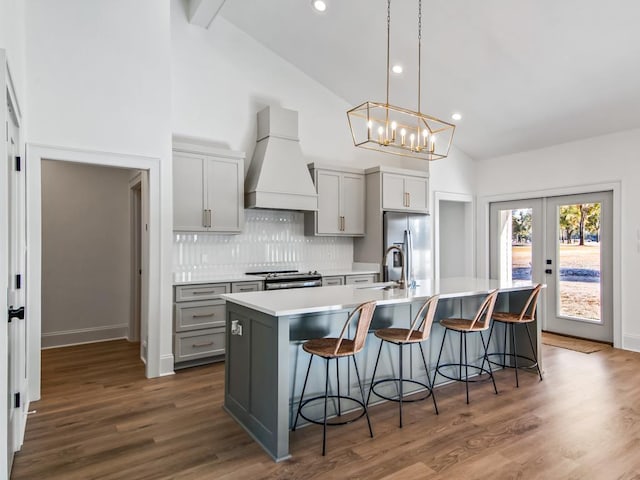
(12, 30)
(98, 79)
(86, 253)
(598, 160)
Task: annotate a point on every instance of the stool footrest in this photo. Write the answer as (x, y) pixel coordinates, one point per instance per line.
(397, 399)
(333, 424)
(481, 370)
(533, 363)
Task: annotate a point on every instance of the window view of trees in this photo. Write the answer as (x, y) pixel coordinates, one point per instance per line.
(580, 222)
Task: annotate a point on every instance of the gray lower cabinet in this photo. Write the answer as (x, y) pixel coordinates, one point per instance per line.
(349, 279)
(199, 321)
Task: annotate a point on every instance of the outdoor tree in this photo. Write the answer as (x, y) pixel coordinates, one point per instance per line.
(569, 217)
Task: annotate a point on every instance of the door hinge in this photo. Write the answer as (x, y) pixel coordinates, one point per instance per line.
(18, 281)
(16, 400)
(18, 164)
(15, 313)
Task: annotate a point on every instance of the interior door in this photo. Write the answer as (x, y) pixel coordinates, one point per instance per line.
(579, 265)
(16, 333)
(516, 240)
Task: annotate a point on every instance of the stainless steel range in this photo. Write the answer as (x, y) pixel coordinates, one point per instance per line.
(289, 279)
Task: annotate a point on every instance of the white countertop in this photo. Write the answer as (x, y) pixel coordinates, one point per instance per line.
(323, 299)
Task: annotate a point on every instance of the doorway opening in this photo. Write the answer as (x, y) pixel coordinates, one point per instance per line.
(454, 235)
(86, 253)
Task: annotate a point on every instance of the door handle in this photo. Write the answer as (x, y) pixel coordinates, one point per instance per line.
(16, 313)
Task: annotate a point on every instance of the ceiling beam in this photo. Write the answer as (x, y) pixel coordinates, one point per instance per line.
(203, 12)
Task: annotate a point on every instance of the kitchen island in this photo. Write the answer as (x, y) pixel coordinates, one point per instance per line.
(265, 363)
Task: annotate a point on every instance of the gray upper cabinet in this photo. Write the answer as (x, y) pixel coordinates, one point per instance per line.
(341, 202)
(208, 187)
(403, 192)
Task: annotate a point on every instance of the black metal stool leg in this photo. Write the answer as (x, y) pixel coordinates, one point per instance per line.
(401, 382)
(426, 369)
(515, 352)
(466, 365)
(435, 375)
(504, 350)
(495, 388)
(373, 378)
(486, 358)
(366, 410)
(302, 394)
(338, 380)
(326, 396)
(460, 373)
(533, 350)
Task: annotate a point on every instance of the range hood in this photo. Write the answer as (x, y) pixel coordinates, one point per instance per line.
(278, 177)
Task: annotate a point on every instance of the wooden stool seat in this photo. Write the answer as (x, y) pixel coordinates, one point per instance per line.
(509, 317)
(399, 335)
(326, 347)
(462, 325)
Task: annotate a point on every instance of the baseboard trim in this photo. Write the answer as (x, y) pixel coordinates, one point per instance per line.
(166, 365)
(631, 342)
(84, 335)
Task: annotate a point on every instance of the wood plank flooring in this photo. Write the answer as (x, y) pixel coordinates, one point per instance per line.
(99, 418)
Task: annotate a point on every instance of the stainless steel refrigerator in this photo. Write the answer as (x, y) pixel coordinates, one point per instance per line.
(412, 233)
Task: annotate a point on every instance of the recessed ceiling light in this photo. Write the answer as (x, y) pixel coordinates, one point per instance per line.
(319, 5)
(396, 69)
(456, 116)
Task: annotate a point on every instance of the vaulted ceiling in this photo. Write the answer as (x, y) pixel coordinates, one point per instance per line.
(523, 73)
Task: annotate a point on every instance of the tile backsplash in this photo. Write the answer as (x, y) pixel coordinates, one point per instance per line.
(271, 240)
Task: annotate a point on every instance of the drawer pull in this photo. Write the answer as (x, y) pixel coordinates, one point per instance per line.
(200, 345)
(364, 280)
(208, 292)
(247, 289)
(203, 315)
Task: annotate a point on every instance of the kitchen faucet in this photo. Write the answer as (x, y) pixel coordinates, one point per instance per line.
(402, 284)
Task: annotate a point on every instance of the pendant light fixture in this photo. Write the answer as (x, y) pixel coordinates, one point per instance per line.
(396, 130)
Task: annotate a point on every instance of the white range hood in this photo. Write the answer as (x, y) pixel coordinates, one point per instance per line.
(278, 177)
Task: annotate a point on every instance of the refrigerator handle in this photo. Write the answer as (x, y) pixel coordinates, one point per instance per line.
(408, 239)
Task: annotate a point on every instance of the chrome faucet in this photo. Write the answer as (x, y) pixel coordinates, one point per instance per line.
(402, 284)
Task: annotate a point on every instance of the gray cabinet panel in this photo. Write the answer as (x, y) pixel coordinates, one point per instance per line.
(199, 315)
(199, 344)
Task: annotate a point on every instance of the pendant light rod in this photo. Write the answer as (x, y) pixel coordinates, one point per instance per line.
(419, 49)
(388, 45)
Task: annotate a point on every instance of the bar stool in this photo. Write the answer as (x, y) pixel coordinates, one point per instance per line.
(330, 348)
(416, 333)
(525, 317)
(465, 326)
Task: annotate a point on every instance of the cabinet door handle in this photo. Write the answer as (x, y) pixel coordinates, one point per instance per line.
(208, 218)
(361, 281)
(247, 289)
(203, 315)
(200, 345)
(408, 200)
(203, 292)
(343, 224)
(204, 217)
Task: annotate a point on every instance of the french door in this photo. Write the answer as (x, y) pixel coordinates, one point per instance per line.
(566, 243)
(16, 330)
(579, 264)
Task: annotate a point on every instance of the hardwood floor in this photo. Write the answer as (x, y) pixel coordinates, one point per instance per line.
(100, 418)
